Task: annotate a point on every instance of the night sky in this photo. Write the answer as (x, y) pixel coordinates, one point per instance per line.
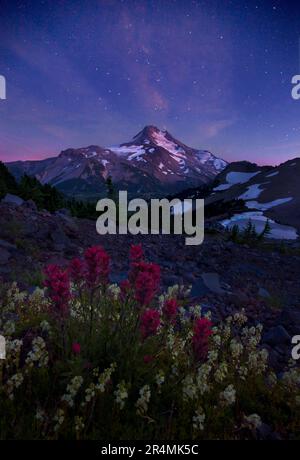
(216, 74)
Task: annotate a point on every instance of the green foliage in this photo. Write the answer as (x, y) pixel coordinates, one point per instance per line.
(249, 235)
(275, 302)
(111, 192)
(8, 183)
(81, 209)
(266, 231)
(44, 195)
(108, 391)
(222, 207)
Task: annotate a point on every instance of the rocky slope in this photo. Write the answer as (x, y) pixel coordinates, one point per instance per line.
(224, 276)
(152, 164)
(269, 193)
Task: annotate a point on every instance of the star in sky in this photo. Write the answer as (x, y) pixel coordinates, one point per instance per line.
(215, 74)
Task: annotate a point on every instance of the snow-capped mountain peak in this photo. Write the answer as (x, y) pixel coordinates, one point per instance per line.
(153, 162)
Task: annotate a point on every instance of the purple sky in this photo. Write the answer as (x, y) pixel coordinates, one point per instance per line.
(216, 74)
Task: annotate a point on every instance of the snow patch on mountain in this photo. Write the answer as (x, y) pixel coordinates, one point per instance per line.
(266, 206)
(133, 150)
(272, 174)
(160, 139)
(257, 218)
(253, 191)
(234, 178)
(219, 164)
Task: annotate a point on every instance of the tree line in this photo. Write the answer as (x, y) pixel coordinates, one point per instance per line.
(45, 196)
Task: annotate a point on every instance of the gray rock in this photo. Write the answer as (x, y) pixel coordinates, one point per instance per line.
(13, 199)
(262, 292)
(59, 237)
(118, 277)
(69, 223)
(170, 280)
(30, 204)
(199, 289)
(212, 281)
(290, 319)
(276, 336)
(63, 212)
(6, 245)
(4, 256)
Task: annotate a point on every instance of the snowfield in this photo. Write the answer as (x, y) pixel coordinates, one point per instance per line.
(266, 206)
(253, 191)
(273, 174)
(161, 140)
(133, 150)
(258, 219)
(234, 178)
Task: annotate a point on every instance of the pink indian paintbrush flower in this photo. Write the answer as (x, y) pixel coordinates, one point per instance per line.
(77, 270)
(136, 256)
(76, 348)
(58, 284)
(149, 323)
(202, 332)
(148, 359)
(169, 309)
(97, 262)
(136, 253)
(146, 283)
(125, 288)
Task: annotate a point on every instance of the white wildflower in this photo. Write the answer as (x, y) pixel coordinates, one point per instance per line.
(45, 326)
(72, 390)
(252, 421)
(143, 401)
(228, 396)
(13, 383)
(189, 388)
(121, 394)
(59, 419)
(198, 420)
(79, 424)
(160, 378)
(221, 372)
(236, 349)
(38, 355)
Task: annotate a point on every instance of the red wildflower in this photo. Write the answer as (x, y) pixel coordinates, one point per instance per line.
(170, 309)
(97, 262)
(125, 287)
(202, 331)
(76, 348)
(150, 322)
(146, 282)
(136, 253)
(58, 284)
(136, 257)
(77, 270)
(148, 359)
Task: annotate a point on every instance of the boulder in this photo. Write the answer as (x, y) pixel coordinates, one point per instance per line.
(63, 212)
(4, 256)
(262, 292)
(277, 335)
(13, 199)
(6, 245)
(30, 204)
(290, 319)
(212, 282)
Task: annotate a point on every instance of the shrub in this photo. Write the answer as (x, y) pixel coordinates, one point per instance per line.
(249, 234)
(87, 359)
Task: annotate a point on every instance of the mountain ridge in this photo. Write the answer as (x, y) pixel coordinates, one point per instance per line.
(153, 163)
